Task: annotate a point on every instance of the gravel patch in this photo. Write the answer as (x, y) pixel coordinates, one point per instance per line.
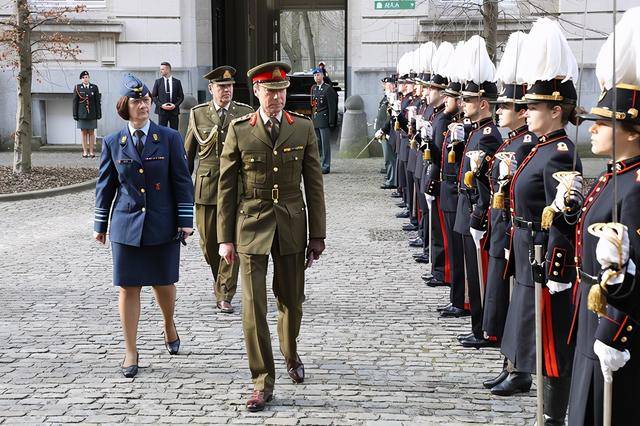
(43, 178)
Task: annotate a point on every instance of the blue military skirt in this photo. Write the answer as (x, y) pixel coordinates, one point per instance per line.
(146, 265)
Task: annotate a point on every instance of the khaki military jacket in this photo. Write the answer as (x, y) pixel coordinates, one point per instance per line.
(272, 197)
(205, 138)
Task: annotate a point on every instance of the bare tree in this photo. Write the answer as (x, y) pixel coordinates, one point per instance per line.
(23, 45)
(290, 39)
(309, 38)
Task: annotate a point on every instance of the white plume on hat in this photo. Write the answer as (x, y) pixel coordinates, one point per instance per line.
(627, 54)
(508, 71)
(479, 67)
(441, 58)
(426, 52)
(414, 63)
(455, 70)
(404, 65)
(548, 54)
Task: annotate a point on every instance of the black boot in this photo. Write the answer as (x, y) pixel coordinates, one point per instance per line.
(517, 382)
(499, 379)
(556, 399)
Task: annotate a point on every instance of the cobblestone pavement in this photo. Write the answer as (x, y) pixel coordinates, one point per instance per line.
(375, 350)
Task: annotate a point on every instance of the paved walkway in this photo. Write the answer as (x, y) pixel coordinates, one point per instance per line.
(373, 346)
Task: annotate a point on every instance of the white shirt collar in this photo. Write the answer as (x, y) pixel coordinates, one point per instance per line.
(265, 117)
(217, 107)
(145, 128)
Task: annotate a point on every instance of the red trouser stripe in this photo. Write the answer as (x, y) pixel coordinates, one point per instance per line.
(445, 244)
(548, 341)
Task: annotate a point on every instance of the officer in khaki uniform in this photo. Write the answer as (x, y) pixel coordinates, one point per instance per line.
(208, 126)
(272, 149)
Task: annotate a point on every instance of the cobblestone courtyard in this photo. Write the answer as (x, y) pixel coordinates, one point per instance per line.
(373, 345)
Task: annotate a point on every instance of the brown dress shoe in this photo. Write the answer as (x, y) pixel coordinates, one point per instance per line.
(296, 370)
(225, 307)
(259, 400)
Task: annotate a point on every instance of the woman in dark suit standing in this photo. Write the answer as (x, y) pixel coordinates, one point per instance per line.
(87, 111)
(144, 168)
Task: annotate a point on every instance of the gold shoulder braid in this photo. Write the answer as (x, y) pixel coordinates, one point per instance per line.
(206, 145)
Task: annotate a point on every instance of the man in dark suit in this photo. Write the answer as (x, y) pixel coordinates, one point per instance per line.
(167, 95)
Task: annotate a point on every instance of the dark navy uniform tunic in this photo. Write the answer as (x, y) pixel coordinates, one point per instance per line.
(617, 329)
(532, 188)
(146, 198)
(324, 99)
(496, 299)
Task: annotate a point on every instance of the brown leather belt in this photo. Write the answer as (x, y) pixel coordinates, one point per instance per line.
(273, 194)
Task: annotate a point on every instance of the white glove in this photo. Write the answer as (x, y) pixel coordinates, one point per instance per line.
(411, 113)
(379, 134)
(556, 287)
(475, 159)
(426, 131)
(607, 255)
(430, 199)
(506, 168)
(477, 235)
(610, 359)
(397, 105)
(562, 190)
(419, 122)
(457, 132)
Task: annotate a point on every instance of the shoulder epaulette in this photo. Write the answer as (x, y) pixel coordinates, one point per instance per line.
(242, 104)
(297, 114)
(201, 105)
(242, 118)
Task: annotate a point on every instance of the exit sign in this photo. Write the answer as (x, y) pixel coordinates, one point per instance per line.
(386, 5)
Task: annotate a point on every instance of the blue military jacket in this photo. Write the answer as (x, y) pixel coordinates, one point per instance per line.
(153, 194)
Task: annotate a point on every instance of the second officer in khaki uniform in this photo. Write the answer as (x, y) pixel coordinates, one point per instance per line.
(208, 125)
(274, 151)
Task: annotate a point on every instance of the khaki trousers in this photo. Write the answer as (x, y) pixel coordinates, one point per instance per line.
(288, 287)
(225, 276)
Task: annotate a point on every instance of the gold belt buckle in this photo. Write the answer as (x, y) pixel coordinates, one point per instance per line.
(275, 194)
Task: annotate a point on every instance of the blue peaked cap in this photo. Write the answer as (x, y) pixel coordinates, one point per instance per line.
(133, 87)
(317, 70)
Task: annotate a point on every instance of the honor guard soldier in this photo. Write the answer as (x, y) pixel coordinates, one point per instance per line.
(439, 121)
(451, 158)
(478, 94)
(421, 137)
(388, 152)
(273, 151)
(512, 110)
(324, 103)
(208, 126)
(551, 100)
(608, 248)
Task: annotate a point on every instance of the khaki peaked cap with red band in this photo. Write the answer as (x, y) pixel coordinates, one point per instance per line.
(272, 75)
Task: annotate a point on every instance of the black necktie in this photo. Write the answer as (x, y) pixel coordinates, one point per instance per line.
(223, 115)
(274, 129)
(139, 146)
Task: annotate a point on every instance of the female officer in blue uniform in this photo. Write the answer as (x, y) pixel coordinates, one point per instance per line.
(144, 168)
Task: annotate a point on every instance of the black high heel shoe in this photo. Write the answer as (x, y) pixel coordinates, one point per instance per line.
(131, 370)
(173, 347)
